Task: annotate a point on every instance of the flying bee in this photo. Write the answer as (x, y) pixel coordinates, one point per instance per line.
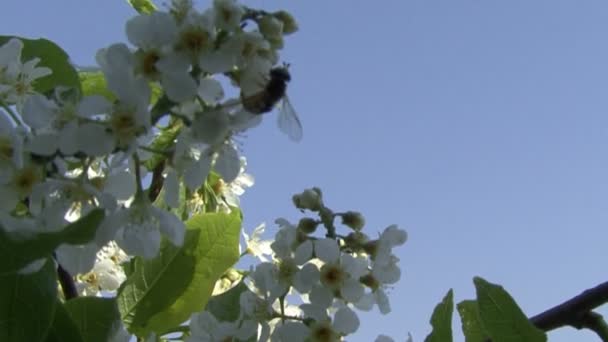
(273, 94)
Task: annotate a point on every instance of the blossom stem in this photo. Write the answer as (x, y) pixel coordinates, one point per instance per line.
(165, 153)
(67, 283)
(11, 113)
(184, 119)
(137, 173)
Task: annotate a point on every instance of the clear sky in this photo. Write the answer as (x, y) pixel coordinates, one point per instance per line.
(479, 126)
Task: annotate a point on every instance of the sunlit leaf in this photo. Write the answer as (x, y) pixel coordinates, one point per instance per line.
(142, 6)
(502, 318)
(63, 327)
(471, 323)
(163, 292)
(27, 304)
(441, 320)
(96, 318)
(226, 306)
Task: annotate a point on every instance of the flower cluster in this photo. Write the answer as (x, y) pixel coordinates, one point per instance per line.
(63, 154)
(329, 275)
(140, 156)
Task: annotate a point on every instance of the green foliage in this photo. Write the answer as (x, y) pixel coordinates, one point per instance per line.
(51, 56)
(63, 328)
(441, 320)
(17, 252)
(163, 292)
(501, 317)
(96, 318)
(471, 322)
(226, 306)
(142, 6)
(27, 304)
(163, 142)
(94, 83)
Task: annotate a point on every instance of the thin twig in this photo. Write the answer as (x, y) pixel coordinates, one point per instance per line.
(67, 283)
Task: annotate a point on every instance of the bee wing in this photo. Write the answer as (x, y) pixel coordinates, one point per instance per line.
(288, 120)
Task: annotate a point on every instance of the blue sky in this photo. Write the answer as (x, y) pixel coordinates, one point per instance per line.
(481, 127)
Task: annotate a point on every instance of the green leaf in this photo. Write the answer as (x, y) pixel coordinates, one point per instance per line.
(16, 253)
(502, 318)
(163, 292)
(471, 322)
(63, 328)
(27, 304)
(441, 320)
(142, 6)
(97, 318)
(226, 306)
(94, 83)
(51, 56)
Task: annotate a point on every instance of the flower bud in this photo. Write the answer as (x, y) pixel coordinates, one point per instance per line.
(356, 240)
(289, 22)
(233, 275)
(309, 199)
(369, 281)
(371, 247)
(353, 220)
(270, 26)
(308, 225)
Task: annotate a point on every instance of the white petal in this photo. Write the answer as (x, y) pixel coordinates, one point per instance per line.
(210, 90)
(316, 312)
(291, 332)
(93, 105)
(43, 144)
(382, 300)
(346, 321)
(110, 225)
(94, 140)
(179, 86)
(394, 236)
(152, 30)
(77, 258)
(352, 290)
(304, 252)
(121, 184)
(139, 240)
(38, 111)
(355, 266)
(327, 250)
(321, 296)
(172, 227)
(366, 302)
(110, 275)
(228, 163)
(306, 278)
(211, 127)
(202, 324)
(68, 138)
(197, 172)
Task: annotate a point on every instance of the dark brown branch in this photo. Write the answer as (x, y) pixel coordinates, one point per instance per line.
(595, 322)
(67, 283)
(573, 311)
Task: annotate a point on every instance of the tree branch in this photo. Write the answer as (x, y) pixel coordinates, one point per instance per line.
(577, 312)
